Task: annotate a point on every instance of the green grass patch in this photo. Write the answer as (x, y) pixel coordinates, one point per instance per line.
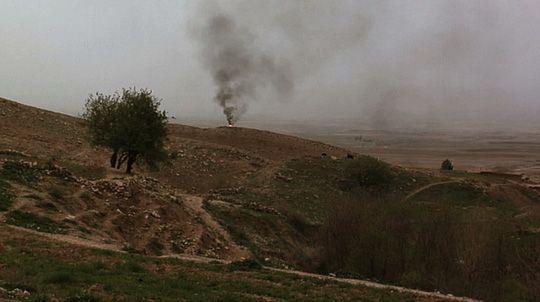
(12, 153)
(244, 265)
(19, 173)
(83, 298)
(84, 230)
(465, 174)
(34, 196)
(35, 222)
(6, 196)
(457, 194)
(124, 277)
(155, 247)
(49, 206)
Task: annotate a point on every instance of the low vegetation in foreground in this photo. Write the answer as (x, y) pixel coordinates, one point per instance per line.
(34, 269)
(453, 232)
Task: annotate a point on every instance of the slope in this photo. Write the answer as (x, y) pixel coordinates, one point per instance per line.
(235, 193)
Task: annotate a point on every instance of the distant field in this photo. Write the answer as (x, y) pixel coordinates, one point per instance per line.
(501, 149)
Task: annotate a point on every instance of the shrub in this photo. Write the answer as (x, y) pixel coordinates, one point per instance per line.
(156, 247)
(244, 265)
(370, 173)
(447, 165)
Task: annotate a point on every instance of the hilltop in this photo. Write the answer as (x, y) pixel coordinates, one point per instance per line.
(237, 193)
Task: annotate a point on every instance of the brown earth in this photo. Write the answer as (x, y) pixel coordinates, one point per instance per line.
(134, 211)
(160, 213)
(493, 147)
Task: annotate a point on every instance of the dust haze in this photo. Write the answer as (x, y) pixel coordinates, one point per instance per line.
(382, 63)
(386, 63)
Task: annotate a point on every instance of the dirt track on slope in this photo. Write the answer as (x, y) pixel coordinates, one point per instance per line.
(425, 296)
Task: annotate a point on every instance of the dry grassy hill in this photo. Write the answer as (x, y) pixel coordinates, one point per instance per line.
(112, 204)
(236, 193)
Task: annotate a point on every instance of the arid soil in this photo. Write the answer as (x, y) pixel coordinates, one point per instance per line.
(478, 147)
(163, 213)
(135, 210)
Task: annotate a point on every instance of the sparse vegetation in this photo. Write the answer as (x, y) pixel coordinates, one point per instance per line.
(34, 196)
(35, 222)
(19, 173)
(370, 173)
(12, 153)
(456, 232)
(416, 244)
(156, 247)
(95, 275)
(244, 265)
(49, 206)
(57, 192)
(6, 196)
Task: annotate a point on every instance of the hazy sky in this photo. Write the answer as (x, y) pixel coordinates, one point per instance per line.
(383, 61)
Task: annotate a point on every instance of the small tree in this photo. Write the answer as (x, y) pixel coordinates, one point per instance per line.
(447, 165)
(370, 173)
(130, 124)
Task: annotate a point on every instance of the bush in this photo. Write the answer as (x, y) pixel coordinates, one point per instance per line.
(447, 165)
(244, 265)
(155, 247)
(59, 278)
(370, 173)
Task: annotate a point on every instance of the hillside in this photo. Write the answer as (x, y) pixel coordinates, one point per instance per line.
(238, 193)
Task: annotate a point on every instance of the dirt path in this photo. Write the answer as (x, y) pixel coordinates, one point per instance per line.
(195, 204)
(429, 186)
(378, 285)
(117, 248)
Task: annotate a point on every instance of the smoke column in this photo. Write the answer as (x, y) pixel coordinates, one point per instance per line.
(240, 70)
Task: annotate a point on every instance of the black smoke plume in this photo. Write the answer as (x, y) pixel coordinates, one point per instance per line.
(239, 69)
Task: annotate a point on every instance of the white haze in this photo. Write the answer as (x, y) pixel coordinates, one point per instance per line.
(385, 62)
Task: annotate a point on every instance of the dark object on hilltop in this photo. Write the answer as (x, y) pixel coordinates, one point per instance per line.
(447, 165)
(130, 124)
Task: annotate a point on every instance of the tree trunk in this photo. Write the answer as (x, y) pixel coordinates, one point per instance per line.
(132, 156)
(114, 157)
(122, 159)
